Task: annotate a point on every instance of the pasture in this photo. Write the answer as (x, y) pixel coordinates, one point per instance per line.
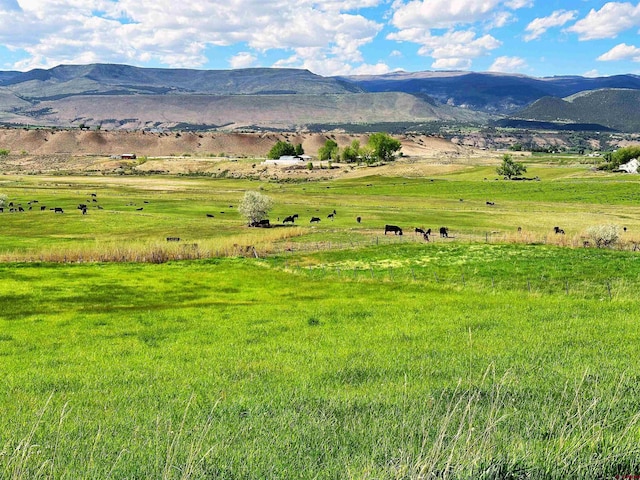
(327, 350)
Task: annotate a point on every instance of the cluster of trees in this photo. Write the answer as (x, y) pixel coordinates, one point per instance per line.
(281, 149)
(380, 147)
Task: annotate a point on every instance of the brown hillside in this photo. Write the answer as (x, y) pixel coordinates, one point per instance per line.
(75, 142)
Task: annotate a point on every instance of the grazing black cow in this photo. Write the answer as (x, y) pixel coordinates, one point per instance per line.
(1, 209)
(11, 204)
(419, 230)
(261, 223)
(334, 212)
(100, 208)
(210, 215)
(624, 228)
(58, 210)
(82, 206)
(290, 218)
(392, 228)
(20, 209)
(173, 239)
(490, 203)
(141, 208)
(84, 211)
(331, 215)
(558, 230)
(358, 219)
(94, 195)
(314, 220)
(444, 232)
(43, 208)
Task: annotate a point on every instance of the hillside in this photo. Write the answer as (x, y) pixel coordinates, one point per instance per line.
(488, 92)
(237, 111)
(126, 97)
(613, 108)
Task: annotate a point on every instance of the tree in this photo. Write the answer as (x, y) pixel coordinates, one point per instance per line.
(510, 168)
(255, 206)
(384, 146)
(280, 149)
(328, 150)
(298, 149)
(352, 152)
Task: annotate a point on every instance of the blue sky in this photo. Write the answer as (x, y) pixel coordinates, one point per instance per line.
(332, 37)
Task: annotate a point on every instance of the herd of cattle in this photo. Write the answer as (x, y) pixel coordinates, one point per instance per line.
(396, 230)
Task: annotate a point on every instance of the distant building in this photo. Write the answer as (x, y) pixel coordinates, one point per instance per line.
(289, 160)
(629, 167)
(128, 156)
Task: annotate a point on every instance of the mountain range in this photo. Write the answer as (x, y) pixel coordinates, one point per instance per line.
(127, 97)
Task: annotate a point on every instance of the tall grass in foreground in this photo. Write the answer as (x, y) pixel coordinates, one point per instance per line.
(462, 438)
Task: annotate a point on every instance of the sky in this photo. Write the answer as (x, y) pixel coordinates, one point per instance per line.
(332, 37)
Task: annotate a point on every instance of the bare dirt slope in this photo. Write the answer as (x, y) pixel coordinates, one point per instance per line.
(233, 154)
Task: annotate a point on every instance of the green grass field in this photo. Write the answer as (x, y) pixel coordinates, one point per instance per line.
(338, 352)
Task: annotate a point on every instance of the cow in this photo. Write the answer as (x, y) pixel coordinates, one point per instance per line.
(173, 239)
(210, 215)
(558, 230)
(261, 223)
(490, 203)
(141, 208)
(392, 228)
(331, 215)
(43, 208)
(419, 230)
(358, 219)
(444, 232)
(20, 209)
(290, 218)
(1, 209)
(314, 220)
(58, 210)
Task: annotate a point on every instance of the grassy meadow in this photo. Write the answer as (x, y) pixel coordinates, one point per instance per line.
(324, 351)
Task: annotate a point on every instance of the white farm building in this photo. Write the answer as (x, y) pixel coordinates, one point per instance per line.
(289, 160)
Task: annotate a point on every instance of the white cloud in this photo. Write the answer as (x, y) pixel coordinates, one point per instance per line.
(242, 60)
(454, 49)
(441, 13)
(516, 4)
(608, 22)
(621, 52)
(508, 65)
(591, 74)
(452, 64)
(539, 26)
(130, 31)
